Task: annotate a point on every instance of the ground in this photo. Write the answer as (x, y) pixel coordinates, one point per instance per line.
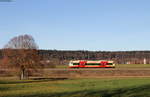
(89, 87)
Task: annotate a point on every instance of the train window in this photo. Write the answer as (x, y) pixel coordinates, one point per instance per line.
(92, 64)
(75, 63)
(109, 63)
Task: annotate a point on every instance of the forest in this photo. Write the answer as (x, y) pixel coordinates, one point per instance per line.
(119, 57)
(60, 57)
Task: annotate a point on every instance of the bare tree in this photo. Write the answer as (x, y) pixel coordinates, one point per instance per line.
(22, 42)
(21, 52)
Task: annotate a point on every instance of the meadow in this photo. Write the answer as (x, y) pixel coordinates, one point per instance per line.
(132, 66)
(87, 87)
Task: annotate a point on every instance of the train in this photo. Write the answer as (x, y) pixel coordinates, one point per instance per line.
(91, 64)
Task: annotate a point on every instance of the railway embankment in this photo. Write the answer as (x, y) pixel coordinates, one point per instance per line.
(96, 73)
(88, 73)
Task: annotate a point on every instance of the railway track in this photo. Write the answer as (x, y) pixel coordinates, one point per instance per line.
(76, 69)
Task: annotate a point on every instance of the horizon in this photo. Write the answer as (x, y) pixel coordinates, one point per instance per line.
(96, 25)
(93, 50)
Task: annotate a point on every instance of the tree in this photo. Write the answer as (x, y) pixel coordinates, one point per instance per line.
(21, 52)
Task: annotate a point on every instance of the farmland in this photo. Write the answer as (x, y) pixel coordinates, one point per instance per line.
(125, 80)
(121, 70)
(108, 87)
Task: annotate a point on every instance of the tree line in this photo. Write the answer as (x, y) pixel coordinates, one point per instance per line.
(120, 57)
(59, 57)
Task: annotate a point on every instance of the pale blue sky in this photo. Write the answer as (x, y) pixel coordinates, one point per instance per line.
(107, 25)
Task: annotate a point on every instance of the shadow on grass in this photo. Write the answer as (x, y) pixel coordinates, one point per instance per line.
(32, 80)
(51, 79)
(141, 91)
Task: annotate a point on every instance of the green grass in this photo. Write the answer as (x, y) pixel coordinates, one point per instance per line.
(132, 65)
(108, 87)
(62, 66)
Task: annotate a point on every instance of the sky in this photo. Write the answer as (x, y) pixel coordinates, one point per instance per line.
(95, 25)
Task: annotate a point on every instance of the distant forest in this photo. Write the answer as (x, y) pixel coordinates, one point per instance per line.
(60, 57)
(120, 57)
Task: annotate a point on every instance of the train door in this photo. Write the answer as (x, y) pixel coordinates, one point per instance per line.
(82, 63)
(104, 63)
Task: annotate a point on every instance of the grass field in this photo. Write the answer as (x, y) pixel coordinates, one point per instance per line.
(132, 65)
(108, 87)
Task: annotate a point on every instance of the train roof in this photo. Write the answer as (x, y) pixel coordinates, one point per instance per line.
(92, 61)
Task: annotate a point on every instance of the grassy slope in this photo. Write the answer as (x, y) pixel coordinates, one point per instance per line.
(123, 87)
